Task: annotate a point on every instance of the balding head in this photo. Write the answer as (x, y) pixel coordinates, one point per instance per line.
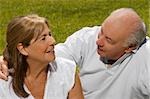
(127, 25)
(121, 32)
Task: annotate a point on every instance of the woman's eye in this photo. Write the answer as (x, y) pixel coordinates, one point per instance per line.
(50, 34)
(43, 38)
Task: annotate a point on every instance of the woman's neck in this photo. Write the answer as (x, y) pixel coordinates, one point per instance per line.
(35, 72)
(36, 69)
(36, 76)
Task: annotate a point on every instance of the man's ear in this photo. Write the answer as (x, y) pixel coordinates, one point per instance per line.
(22, 49)
(130, 48)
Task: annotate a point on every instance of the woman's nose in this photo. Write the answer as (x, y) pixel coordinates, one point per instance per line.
(52, 40)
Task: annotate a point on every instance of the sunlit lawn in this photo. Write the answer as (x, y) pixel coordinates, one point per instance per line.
(66, 16)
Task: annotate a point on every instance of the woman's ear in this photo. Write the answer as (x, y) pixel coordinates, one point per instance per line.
(22, 49)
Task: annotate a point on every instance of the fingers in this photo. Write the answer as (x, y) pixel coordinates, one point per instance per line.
(3, 69)
(2, 76)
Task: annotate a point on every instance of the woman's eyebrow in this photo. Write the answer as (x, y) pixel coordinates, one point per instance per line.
(45, 34)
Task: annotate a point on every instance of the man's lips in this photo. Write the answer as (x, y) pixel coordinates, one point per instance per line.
(99, 50)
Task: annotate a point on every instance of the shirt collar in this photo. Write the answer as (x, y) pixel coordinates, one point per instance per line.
(121, 59)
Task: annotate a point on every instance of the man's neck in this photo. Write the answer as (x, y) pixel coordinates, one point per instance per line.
(114, 62)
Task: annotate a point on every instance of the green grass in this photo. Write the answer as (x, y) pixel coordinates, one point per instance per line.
(67, 16)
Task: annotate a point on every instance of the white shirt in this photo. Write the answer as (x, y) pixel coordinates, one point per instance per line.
(128, 79)
(58, 84)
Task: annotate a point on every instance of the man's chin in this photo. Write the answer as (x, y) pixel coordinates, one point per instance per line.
(107, 60)
(103, 59)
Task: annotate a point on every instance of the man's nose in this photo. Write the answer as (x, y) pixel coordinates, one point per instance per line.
(100, 41)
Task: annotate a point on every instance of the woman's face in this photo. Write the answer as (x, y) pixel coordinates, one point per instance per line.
(42, 50)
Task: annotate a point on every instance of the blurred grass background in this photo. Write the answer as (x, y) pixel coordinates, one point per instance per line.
(67, 16)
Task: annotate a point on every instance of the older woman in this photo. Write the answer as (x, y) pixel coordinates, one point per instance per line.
(35, 72)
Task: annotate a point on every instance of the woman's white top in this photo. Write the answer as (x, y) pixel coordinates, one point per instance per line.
(58, 84)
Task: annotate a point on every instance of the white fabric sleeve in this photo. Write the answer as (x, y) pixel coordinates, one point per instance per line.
(3, 89)
(144, 81)
(73, 47)
(68, 69)
(148, 65)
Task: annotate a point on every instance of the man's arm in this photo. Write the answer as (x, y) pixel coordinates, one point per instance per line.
(73, 47)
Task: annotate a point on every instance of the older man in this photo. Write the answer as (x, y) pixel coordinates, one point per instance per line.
(113, 58)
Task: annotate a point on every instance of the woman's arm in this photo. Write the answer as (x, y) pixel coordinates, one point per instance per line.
(76, 91)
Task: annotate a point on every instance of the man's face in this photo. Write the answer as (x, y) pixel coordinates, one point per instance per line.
(116, 29)
(110, 42)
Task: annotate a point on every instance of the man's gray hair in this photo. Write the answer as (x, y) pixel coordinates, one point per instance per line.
(139, 33)
(136, 38)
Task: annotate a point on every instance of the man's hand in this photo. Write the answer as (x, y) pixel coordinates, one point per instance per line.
(3, 69)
